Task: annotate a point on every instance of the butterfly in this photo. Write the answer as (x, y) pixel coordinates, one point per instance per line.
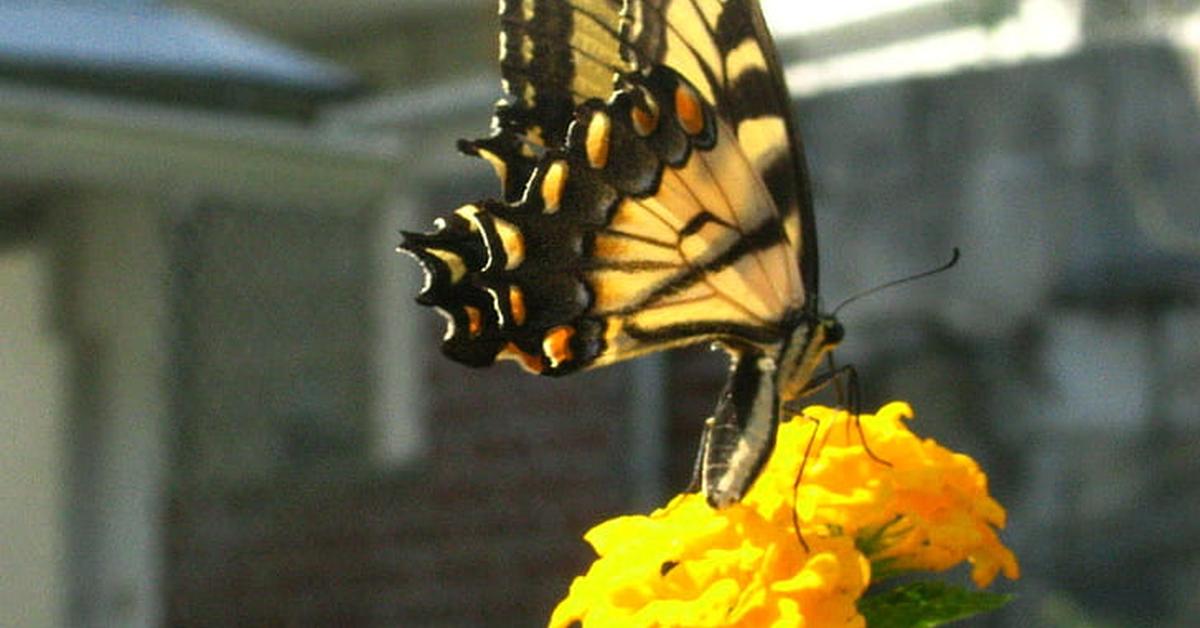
(654, 195)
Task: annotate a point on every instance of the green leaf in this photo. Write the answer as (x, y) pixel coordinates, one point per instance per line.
(926, 604)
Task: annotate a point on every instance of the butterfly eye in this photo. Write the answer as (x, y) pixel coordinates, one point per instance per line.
(834, 332)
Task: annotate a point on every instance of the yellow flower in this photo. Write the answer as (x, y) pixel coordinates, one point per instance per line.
(686, 564)
(927, 509)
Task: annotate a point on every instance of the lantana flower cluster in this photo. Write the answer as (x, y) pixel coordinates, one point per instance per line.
(869, 506)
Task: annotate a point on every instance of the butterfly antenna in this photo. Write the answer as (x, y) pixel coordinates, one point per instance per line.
(903, 280)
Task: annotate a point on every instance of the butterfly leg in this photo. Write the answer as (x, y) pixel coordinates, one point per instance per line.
(845, 382)
(740, 435)
(800, 474)
(695, 484)
(849, 395)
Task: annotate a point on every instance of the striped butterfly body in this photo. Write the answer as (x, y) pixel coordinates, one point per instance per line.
(654, 196)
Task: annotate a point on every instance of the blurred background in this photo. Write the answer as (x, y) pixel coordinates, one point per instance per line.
(219, 405)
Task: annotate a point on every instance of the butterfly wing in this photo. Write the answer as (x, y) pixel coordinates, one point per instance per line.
(654, 195)
(724, 48)
(676, 235)
(648, 229)
(556, 54)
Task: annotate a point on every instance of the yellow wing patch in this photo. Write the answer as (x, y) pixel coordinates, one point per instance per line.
(646, 219)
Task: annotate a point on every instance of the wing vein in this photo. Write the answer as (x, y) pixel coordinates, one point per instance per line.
(640, 238)
(780, 297)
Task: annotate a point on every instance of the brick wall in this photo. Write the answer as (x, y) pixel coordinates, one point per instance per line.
(485, 529)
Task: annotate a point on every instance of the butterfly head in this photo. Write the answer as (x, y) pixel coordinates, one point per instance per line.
(822, 335)
(810, 342)
(831, 330)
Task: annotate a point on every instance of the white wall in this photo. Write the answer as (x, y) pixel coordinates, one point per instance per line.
(32, 452)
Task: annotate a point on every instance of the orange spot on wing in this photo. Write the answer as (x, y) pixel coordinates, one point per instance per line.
(644, 119)
(557, 345)
(516, 304)
(597, 142)
(474, 320)
(529, 362)
(552, 186)
(688, 110)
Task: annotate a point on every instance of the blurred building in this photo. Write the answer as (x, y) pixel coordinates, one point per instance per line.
(219, 406)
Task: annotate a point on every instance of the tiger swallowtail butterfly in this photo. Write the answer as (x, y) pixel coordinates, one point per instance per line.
(655, 195)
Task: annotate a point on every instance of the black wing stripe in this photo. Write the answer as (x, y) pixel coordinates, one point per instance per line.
(669, 335)
(712, 79)
(751, 80)
(699, 221)
(651, 211)
(765, 236)
(704, 167)
(713, 295)
(632, 266)
(665, 303)
(732, 30)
